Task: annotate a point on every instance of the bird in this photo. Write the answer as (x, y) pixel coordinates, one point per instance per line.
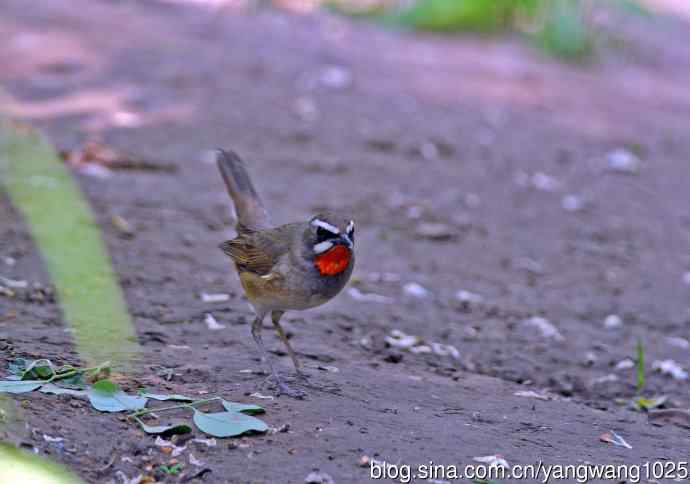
(295, 266)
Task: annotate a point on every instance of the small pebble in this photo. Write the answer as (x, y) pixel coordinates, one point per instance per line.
(546, 183)
(623, 161)
(545, 327)
(671, 368)
(625, 364)
(335, 77)
(572, 203)
(613, 321)
(429, 151)
(318, 478)
(678, 342)
(468, 298)
(214, 298)
(358, 295)
(435, 231)
(415, 290)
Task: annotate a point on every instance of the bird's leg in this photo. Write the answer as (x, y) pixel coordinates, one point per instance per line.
(275, 317)
(256, 334)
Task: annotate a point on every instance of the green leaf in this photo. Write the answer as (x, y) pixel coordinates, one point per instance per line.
(18, 366)
(456, 15)
(566, 31)
(39, 368)
(643, 403)
(22, 369)
(227, 424)
(166, 430)
(640, 366)
(158, 396)
(172, 470)
(57, 390)
(76, 382)
(107, 396)
(242, 407)
(19, 386)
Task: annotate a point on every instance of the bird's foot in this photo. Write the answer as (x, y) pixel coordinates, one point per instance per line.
(284, 389)
(302, 375)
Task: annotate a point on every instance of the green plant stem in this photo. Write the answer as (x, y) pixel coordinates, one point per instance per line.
(75, 371)
(139, 413)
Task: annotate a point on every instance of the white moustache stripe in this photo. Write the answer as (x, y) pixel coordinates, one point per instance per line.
(325, 225)
(322, 247)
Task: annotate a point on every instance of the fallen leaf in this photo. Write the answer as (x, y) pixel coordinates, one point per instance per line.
(166, 430)
(57, 390)
(19, 386)
(161, 397)
(227, 424)
(242, 407)
(612, 437)
(211, 323)
(650, 403)
(107, 396)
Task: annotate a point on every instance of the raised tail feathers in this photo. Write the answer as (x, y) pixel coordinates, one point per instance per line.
(250, 210)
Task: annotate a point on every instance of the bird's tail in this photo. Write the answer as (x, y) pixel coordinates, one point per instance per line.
(250, 210)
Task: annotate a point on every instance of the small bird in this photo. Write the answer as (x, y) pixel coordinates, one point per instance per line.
(293, 266)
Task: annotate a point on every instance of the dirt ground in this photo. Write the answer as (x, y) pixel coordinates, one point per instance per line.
(456, 157)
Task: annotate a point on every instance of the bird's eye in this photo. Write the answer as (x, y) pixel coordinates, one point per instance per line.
(323, 234)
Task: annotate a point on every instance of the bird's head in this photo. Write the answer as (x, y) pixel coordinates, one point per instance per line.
(331, 239)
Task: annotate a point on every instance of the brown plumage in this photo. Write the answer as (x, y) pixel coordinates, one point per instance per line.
(293, 266)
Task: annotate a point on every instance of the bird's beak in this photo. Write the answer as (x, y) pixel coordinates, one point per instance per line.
(345, 238)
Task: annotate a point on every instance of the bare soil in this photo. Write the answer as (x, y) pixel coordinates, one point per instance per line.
(400, 130)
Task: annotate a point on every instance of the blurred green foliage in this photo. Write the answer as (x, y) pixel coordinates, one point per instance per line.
(464, 15)
(64, 229)
(563, 28)
(17, 467)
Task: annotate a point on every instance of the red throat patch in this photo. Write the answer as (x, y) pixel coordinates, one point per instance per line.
(333, 261)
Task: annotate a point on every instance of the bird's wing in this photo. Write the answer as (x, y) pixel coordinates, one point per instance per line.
(259, 251)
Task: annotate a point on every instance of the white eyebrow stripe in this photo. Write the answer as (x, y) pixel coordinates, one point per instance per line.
(350, 226)
(322, 247)
(325, 225)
